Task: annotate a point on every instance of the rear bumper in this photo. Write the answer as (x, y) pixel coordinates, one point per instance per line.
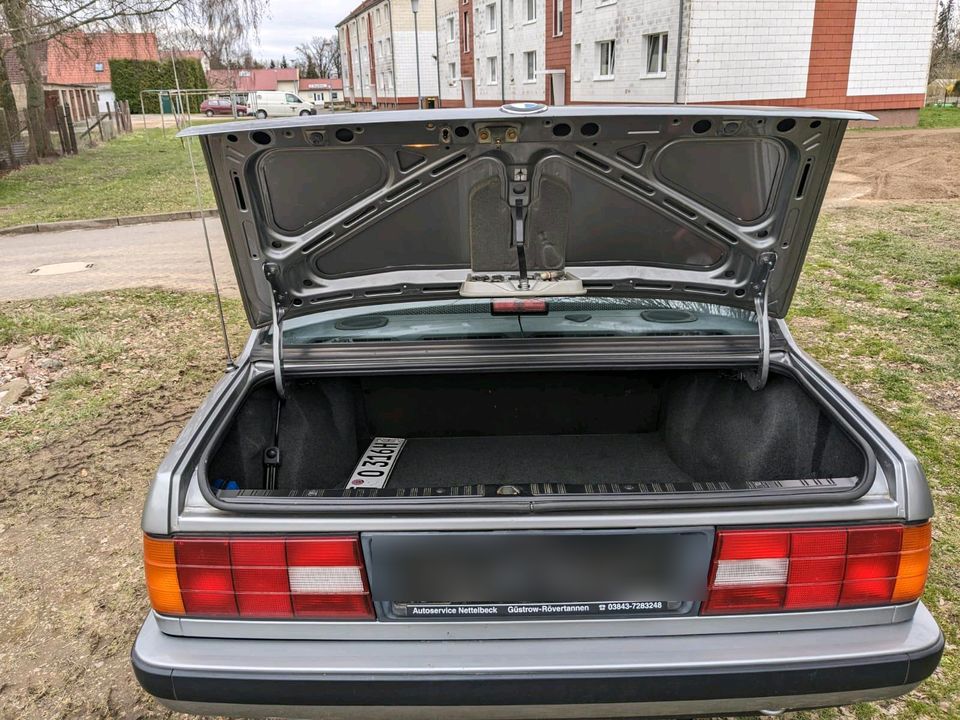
(598, 677)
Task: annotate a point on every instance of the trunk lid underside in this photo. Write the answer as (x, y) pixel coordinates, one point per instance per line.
(693, 203)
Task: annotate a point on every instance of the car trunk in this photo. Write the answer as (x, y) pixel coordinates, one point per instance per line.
(533, 434)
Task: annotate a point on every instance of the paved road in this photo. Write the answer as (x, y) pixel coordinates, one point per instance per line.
(169, 254)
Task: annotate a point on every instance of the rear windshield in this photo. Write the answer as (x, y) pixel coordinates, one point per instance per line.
(466, 319)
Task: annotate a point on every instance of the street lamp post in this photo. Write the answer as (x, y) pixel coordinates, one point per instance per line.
(436, 38)
(415, 5)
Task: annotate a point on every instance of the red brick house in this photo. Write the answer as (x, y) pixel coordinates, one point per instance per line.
(82, 59)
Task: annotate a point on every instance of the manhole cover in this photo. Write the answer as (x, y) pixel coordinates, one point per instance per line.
(61, 268)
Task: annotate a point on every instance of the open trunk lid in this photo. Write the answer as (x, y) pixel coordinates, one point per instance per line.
(686, 202)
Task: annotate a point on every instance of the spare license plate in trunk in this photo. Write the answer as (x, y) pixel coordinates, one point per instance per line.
(532, 575)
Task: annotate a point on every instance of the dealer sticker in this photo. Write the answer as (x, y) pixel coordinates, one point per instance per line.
(375, 465)
(532, 610)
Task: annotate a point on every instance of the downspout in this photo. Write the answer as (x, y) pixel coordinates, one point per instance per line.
(393, 58)
(503, 79)
(676, 69)
(436, 37)
(356, 26)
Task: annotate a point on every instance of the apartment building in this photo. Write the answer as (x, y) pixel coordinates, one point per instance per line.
(378, 46)
(860, 54)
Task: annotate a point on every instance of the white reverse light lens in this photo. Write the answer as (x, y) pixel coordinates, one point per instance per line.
(326, 580)
(771, 571)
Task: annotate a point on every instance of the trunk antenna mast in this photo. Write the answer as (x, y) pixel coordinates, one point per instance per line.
(231, 365)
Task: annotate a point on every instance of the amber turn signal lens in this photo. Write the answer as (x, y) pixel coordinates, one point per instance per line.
(160, 563)
(914, 563)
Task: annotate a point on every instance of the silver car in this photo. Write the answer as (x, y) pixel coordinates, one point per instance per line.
(520, 432)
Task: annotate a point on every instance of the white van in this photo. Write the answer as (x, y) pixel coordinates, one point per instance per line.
(274, 103)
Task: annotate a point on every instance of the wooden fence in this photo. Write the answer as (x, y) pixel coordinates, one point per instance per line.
(73, 136)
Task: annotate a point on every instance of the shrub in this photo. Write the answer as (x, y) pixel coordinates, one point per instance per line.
(130, 77)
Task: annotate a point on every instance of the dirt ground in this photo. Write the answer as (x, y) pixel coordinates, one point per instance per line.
(78, 456)
(896, 165)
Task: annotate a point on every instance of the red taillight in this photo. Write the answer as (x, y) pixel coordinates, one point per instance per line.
(817, 568)
(267, 577)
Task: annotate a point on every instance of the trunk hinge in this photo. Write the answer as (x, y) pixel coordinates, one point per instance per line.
(759, 287)
(272, 272)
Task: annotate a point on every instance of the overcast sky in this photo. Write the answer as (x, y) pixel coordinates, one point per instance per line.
(292, 22)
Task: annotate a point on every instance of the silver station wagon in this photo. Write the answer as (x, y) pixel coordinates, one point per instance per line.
(520, 432)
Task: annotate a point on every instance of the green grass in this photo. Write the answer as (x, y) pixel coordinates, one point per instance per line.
(879, 306)
(134, 174)
(940, 117)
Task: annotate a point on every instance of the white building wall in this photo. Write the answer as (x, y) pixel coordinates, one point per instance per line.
(747, 49)
(405, 53)
(359, 58)
(449, 42)
(891, 47)
(342, 33)
(628, 23)
(519, 36)
(382, 44)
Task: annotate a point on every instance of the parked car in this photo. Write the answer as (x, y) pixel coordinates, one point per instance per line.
(279, 104)
(221, 106)
(520, 431)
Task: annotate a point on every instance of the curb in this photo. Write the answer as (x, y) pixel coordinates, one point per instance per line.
(106, 222)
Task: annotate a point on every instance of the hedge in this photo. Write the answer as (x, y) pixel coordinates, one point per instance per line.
(129, 77)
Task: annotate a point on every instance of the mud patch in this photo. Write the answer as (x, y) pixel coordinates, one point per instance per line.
(896, 165)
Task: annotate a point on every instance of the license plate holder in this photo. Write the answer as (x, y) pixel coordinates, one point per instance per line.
(537, 575)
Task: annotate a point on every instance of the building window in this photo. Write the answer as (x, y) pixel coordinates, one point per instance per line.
(578, 5)
(530, 63)
(657, 54)
(388, 46)
(601, 3)
(510, 13)
(606, 52)
(492, 17)
(492, 70)
(451, 29)
(510, 69)
(557, 18)
(466, 32)
(377, 17)
(452, 69)
(530, 10)
(380, 49)
(577, 60)
(98, 67)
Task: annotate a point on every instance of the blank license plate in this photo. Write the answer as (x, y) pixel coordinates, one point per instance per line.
(491, 575)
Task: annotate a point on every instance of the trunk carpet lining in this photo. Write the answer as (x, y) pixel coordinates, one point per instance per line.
(522, 459)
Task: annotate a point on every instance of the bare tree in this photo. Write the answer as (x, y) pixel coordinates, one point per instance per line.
(335, 61)
(322, 53)
(30, 24)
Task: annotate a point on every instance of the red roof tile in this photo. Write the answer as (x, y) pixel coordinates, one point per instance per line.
(263, 79)
(74, 59)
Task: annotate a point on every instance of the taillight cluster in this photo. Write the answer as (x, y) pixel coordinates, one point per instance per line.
(817, 568)
(267, 577)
